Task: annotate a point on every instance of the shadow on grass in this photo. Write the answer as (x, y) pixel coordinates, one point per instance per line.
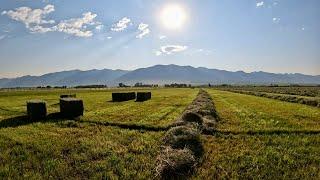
(56, 117)
(24, 120)
(128, 126)
(265, 132)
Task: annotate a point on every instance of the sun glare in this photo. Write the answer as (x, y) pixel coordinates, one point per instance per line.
(173, 16)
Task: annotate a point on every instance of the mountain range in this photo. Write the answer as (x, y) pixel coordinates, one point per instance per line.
(158, 74)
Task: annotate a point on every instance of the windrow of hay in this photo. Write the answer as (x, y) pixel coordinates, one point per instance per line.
(181, 137)
(201, 111)
(311, 101)
(182, 146)
(175, 163)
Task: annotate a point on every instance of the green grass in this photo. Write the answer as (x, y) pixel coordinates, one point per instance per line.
(51, 150)
(161, 110)
(241, 112)
(72, 149)
(257, 138)
(278, 146)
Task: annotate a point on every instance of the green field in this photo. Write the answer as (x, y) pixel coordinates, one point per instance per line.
(261, 138)
(256, 137)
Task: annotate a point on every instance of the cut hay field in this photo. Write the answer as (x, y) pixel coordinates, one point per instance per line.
(72, 149)
(261, 138)
(255, 138)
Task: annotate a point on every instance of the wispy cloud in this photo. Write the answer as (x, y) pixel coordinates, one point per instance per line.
(32, 18)
(170, 49)
(276, 20)
(35, 22)
(259, 4)
(2, 37)
(162, 37)
(144, 30)
(99, 27)
(77, 26)
(121, 24)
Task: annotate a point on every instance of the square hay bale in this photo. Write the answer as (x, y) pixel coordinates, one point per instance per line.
(36, 109)
(71, 107)
(68, 96)
(123, 96)
(143, 96)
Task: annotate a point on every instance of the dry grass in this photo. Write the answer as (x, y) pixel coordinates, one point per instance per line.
(175, 163)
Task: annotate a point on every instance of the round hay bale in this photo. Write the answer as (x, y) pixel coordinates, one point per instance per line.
(192, 117)
(181, 137)
(175, 163)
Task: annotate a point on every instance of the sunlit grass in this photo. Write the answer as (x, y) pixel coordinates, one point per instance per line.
(241, 112)
(277, 151)
(63, 149)
(50, 150)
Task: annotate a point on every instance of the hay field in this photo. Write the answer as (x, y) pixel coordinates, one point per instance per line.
(261, 138)
(256, 137)
(73, 149)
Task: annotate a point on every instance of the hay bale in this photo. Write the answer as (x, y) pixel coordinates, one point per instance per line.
(192, 117)
(71, 107)
(68, 96)
(181, 137)
(143, 96)
(36, 109)
(123, 96)
(175, 163)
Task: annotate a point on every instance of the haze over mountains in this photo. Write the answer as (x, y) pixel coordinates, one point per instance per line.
(158, 74)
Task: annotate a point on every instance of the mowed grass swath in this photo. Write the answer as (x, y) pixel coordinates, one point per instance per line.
(260, 138)
(254, 137)
(66, 148)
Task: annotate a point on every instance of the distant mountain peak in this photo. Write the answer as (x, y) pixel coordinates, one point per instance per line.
(157, 74)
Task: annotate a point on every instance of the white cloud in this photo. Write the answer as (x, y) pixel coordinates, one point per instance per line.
(35, 22)
(77, 26)
(32, 18)
(2, 37)
(144, 30)
(171, 49)
(260, 4)
(99, 27)
(121, 25)
(162, 37)
(276, 20)
(158, 53)
(109, 37)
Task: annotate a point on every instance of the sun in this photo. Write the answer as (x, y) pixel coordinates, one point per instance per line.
(173, 16)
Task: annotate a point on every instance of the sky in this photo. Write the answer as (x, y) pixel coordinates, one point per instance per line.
(42, 36)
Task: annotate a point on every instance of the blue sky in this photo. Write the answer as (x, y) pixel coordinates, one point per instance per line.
(37, 37)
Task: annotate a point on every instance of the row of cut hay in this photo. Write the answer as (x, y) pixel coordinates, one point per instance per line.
(143, 96)
(311, 101)
(123, 96)
(201, 111)
(182, 147)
